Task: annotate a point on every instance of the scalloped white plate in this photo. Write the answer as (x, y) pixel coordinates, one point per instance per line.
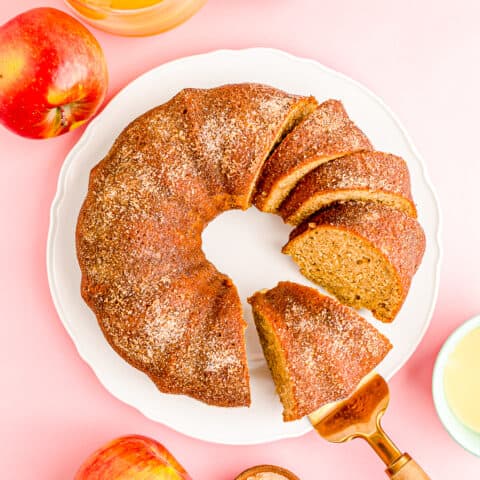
(255, 238)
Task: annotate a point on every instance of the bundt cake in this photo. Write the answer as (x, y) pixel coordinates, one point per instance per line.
(326, 134)
(317, 349)
(364, 253)
(159, 302)
(365, 176)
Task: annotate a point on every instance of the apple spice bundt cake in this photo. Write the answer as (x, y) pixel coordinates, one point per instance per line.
(317, 349)
(160, 303)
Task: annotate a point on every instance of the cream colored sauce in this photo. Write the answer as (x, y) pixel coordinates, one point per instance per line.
(462, 380)
(266, 476)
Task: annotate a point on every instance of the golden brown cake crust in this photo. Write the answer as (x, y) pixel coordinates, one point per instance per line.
(328, 347)
(161, 305)
(369, 172)
(235, 130)
(396, 236)
(325, 134)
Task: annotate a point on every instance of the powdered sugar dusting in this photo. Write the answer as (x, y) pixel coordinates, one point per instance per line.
(221, 359)
(164, 325)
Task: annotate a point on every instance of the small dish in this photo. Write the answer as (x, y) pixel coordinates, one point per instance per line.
(464, 436)
(260, 471)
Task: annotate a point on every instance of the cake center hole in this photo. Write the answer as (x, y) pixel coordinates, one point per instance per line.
(246, 246)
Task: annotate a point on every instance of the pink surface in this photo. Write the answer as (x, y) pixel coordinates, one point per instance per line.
(422, 58)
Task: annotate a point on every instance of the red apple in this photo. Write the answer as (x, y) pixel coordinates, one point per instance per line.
(132, 458)
(53, 75)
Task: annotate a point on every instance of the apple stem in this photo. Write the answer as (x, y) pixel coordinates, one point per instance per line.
(63, 119)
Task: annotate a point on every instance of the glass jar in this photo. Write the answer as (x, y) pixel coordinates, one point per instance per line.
(135, 17)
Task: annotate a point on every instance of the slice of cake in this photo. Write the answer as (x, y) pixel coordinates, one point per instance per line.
(325, 134)
(317, 349)
(368, 176)
(364, 253)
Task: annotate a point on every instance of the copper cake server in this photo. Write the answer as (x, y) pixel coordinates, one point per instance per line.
(358, 416)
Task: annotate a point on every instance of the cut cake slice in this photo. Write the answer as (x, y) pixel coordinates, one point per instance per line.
(364, 253)
(325, 134)
(317, 349)
(365, 176)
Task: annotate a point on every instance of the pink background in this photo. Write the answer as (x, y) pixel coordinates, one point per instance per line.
(422, 57)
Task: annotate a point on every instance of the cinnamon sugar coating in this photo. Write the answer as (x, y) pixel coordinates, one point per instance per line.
(368, 175)
(327, 347)
(160, 303)
(326, 134)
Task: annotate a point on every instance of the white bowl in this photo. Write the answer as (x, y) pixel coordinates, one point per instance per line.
(464, 436)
